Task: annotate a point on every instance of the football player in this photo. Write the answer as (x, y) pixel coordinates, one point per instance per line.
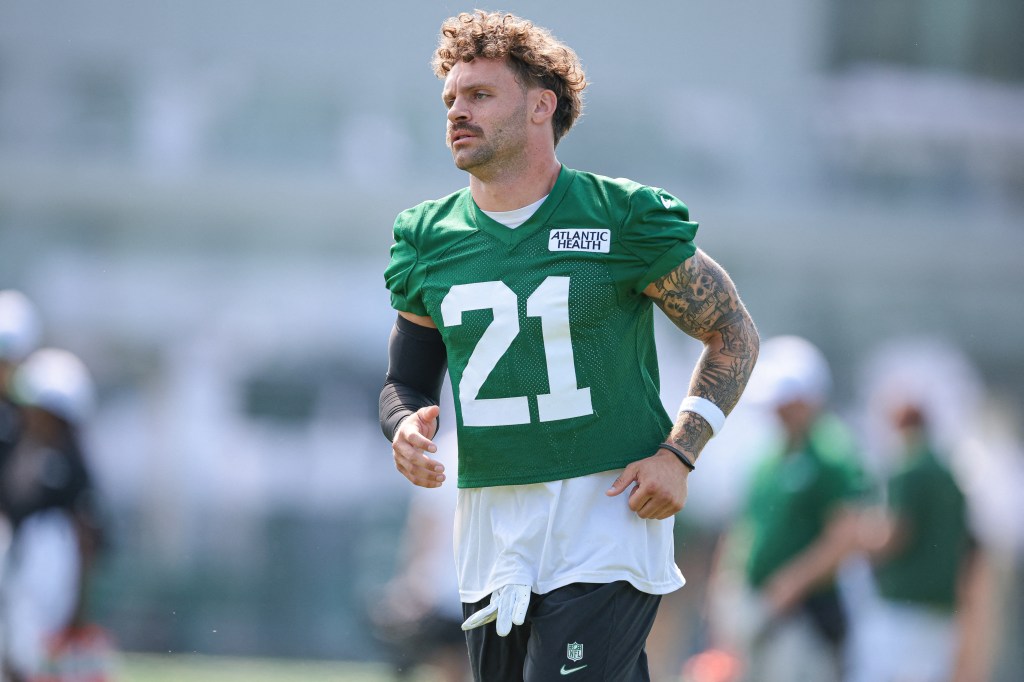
(534, 287)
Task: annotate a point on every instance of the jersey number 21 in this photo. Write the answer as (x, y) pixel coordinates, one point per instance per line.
(549, 302)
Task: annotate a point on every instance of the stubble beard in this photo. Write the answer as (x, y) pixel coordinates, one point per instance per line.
(498, 152)
(469, 159)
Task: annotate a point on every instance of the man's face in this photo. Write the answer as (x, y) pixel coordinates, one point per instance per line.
(487, 114)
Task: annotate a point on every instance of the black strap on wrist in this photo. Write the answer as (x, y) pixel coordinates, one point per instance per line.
(687, 462)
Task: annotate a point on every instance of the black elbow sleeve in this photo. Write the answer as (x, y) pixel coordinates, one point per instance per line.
(417, 361)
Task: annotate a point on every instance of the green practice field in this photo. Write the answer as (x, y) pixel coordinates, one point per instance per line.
(189, 668)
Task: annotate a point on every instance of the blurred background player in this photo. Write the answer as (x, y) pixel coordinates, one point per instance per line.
(927, 613)
(775, 601)
(48, 498)
(19, 335)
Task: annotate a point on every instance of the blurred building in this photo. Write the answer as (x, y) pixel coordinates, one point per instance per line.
(199, 197)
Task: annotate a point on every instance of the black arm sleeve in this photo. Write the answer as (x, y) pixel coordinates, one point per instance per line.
(417, 361)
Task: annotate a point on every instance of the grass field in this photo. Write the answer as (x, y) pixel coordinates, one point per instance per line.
(190, 668)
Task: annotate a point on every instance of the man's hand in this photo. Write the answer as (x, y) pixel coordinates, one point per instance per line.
(412, 443)
(817, 563)
(660, 490)
(508, 605)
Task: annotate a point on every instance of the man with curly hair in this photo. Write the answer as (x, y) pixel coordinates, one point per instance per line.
(534, 289)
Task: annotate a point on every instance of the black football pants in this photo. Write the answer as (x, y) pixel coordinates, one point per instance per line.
(583, 632)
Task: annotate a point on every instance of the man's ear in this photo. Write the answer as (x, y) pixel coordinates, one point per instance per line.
(544, 106)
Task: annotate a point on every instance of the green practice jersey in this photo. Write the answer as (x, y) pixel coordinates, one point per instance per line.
(927, 568)
(794, 494)
(549, 336)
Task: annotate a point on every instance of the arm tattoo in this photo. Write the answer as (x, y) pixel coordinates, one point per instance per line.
(700, 298)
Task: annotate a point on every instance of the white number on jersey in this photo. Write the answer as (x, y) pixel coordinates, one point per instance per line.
(549, 302)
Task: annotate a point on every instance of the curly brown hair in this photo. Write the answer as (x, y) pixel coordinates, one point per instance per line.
(535, 55)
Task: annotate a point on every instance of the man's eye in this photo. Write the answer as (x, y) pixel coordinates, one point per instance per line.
(480, 95)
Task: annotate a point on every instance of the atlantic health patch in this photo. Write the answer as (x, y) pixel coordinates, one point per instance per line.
(567, 239)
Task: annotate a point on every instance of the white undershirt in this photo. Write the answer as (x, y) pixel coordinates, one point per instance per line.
(548, 535)
(515, 218)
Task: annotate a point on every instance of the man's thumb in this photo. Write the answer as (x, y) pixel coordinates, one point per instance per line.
(429, 418)
(627, 476)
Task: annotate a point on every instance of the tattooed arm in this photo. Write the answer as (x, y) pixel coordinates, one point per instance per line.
(700, 299)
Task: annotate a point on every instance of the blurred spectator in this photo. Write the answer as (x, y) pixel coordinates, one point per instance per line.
(48, 498)
(420, 617)
(19, 334)
(926, 616)
(924, 559)
(775, 602)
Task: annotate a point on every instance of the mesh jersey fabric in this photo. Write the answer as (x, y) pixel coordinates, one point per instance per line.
(549, 337)
(547, 535)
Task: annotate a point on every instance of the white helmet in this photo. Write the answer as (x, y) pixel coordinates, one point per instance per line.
(56, 381)
(19, 326)
(790, 368)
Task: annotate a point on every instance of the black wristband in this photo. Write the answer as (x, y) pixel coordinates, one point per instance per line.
(687, 462)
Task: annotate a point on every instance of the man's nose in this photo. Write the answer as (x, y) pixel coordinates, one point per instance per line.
(458, 112)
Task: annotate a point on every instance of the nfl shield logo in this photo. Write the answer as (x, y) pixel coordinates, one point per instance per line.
(574, 651)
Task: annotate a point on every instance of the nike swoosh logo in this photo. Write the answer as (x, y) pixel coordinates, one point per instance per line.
(667, 203)
(570, 671)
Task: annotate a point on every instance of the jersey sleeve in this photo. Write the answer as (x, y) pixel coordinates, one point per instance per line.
(658, 233)
(403, 276)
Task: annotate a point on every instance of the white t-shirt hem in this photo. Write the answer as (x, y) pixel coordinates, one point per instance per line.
(548, 535)
(473, 596)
